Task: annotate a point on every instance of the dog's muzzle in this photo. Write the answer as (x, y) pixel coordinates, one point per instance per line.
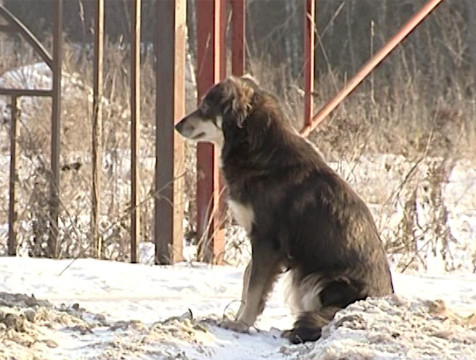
(197, 128)
(185, 127)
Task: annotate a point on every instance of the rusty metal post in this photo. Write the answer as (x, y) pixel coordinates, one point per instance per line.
(404, 31)
(97, 127)
(471, 39)
(211, 22)
(238, 37)
(12, 214)
(135, 124)
(309, 59)
(56, 127)
(170, 107)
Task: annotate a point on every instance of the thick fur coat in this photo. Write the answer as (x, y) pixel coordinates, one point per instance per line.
(300, 215)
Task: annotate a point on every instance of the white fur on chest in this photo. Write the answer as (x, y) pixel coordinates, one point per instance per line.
(243, 214)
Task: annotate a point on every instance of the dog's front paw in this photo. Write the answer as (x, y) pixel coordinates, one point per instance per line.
(238, 326)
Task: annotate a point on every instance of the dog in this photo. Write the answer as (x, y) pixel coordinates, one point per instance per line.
(300, 216)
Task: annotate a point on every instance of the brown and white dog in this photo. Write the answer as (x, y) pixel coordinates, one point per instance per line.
(300, 215)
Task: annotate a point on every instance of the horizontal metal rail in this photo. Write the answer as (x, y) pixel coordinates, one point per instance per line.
(25, 92)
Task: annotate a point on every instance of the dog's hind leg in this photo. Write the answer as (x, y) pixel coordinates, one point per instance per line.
(321, 299)
(258, 281)
(309, 324)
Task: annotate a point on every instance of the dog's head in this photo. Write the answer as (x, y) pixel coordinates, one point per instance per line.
(226, 104)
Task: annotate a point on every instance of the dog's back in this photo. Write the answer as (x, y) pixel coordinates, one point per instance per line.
(328, 230)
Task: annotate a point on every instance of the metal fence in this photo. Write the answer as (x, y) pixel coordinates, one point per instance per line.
(211, 34)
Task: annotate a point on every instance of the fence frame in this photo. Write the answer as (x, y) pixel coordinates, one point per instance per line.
(14, 25)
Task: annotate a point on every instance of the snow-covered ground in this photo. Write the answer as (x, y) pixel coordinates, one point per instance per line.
(111, 310)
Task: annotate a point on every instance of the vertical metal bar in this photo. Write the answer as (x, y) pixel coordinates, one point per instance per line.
(135, 125)
(404, 31)
(12, 215)
(211, 22)
(309, 45)
(471, 39)
(97, 126)
(170, 107)
(238, 37)
(55, 127)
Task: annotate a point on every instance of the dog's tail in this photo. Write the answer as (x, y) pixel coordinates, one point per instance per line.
(309, 324)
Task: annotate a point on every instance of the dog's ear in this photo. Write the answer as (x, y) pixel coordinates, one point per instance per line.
(237, 99)
(250, 78)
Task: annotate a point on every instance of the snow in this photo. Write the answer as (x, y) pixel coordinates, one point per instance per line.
(112, 310)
